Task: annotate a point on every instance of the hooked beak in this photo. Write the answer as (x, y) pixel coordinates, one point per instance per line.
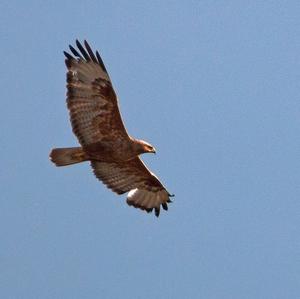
(153, 151)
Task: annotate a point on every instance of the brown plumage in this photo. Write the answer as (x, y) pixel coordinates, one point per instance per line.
(97, 123)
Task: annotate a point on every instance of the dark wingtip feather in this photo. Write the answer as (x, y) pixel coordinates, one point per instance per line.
(86, 54)
(170, 195)
(157, 211)
(149, 210)
(74, 51)
(90, 51)
(82, 50)
(165, 206)
(68, 56)
(100, 61)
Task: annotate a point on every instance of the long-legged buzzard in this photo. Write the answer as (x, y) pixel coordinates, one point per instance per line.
(97, 123)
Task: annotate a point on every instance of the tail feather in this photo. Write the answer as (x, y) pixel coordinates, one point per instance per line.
(67, 156)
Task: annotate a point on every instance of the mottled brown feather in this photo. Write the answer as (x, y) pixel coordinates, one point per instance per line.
(92, 102)
(123, 177)
(130, 175)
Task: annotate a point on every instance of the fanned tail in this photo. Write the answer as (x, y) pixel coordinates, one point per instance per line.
(68, 156)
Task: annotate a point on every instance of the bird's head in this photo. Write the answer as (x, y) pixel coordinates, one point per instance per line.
(146, 147)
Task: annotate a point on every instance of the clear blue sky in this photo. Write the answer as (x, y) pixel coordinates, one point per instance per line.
(215, 87)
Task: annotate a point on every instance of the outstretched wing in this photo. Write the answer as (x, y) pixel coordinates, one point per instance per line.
(91, 99)
(145, 190)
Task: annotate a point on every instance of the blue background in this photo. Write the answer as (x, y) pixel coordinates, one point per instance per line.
(214, 86)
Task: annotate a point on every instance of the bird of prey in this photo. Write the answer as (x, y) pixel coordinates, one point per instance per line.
(96, 121)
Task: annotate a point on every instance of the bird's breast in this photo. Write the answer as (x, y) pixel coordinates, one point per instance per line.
(118, 150)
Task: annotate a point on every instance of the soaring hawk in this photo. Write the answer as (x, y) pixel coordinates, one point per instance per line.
(97, 123)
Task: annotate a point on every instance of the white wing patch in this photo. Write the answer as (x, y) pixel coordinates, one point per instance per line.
(148, 200)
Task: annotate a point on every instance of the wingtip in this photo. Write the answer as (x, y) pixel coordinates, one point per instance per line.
(68, 56)
(74, 51)
(165, 206)
(157, 211)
